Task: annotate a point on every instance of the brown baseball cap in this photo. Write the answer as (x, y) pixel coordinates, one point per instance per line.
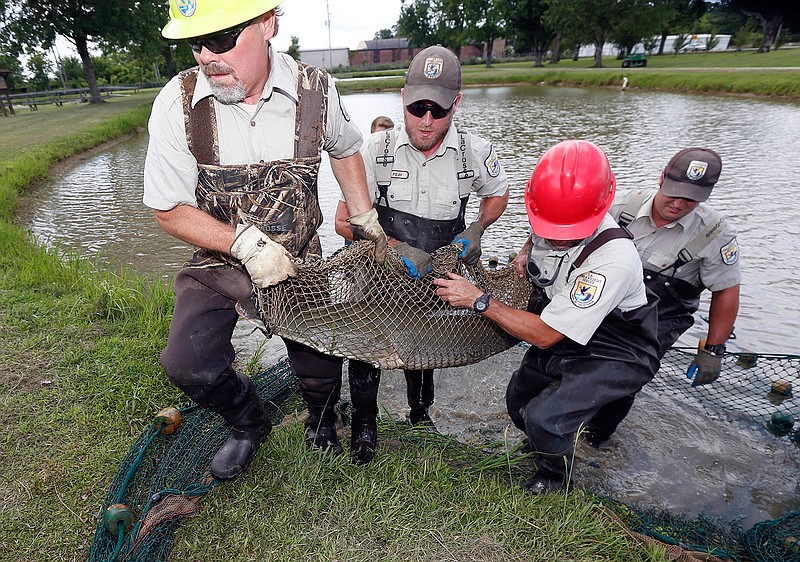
(692, 173)
(434, 74)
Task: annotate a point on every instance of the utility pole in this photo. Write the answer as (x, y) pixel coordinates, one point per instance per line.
(330, 48)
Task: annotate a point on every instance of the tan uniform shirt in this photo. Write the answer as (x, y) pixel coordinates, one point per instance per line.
(610, 278)
(715, 267)
(428, 187)
(247, 133)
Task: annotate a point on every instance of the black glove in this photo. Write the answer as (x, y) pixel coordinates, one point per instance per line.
(417, 261)
(471, 239)
(705, 368)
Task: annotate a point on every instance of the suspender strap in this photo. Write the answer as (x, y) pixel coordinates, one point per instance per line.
(200, 121)
(385, 165)
(605, 236)
(632, 206)
(464, 165)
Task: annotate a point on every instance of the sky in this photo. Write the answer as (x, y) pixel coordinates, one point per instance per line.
(352, 21)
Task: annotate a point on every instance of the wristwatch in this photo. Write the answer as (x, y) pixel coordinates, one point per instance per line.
(481, 304)
(716, 349)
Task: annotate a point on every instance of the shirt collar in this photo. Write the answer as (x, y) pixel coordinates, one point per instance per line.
(450, 140)
(281, 77)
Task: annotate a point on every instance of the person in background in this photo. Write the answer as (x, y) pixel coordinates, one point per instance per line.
(686, 247)
(381, 123)
(590, 323)
(421, 177)
(221, 135)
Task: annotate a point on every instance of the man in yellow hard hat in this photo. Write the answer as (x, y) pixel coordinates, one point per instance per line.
(231, 168)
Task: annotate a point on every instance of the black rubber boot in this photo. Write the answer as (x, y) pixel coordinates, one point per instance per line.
(237, 401)
(419, 391)
(604, 423)
(364, 382)
(321, 436)
(543, 482)
(364, 439)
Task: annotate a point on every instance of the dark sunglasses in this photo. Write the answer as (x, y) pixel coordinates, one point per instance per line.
(535, 274)
(420, 108)
(218, 43)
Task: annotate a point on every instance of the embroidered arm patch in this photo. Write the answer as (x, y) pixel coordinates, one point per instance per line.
(587, 289)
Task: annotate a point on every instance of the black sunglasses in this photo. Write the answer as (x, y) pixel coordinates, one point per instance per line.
(420, 108)
(220, 42)
(535, 274)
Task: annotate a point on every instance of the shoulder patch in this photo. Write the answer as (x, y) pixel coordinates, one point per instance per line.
(730, 252)
(587, 289)
(492, 164)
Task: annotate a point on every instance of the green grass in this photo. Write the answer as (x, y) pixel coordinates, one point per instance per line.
(80, 381)
(773, 74)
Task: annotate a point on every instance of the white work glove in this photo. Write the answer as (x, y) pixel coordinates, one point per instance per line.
(266, 261)
(366, 227)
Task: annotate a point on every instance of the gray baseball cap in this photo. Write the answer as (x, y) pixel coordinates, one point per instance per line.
(434, 74)
(692, 173)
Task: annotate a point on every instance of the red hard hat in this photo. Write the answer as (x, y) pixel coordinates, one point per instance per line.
(570, 191)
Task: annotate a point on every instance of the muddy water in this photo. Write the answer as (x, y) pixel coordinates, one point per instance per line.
(667, 453)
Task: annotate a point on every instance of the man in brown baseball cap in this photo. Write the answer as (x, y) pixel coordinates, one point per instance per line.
(692, 174)
(686, 247)
(422, 174)
(435, 75)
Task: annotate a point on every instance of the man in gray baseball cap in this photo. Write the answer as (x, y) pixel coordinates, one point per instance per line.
(434, 75)
(421, 176)
(692, 174)
(686, 247)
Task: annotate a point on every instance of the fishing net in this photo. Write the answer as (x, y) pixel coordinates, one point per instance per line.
(350, 306)
(752, 388)
(165, 475)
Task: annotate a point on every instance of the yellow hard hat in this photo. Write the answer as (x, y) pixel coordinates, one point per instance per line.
(194, 18)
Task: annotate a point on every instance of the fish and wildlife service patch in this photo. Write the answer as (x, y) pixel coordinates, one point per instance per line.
(587, 289)
(491, 163)
(696, 170)
(433, 67)
(730, 252)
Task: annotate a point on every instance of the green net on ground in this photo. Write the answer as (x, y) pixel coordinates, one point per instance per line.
(165, 475)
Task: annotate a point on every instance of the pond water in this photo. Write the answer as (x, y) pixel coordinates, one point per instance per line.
(666, 453)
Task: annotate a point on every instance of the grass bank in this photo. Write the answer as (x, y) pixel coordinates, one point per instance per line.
(775, 74)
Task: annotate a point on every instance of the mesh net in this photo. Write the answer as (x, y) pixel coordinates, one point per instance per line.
(350, 306)
(164, 476)
(753, 388)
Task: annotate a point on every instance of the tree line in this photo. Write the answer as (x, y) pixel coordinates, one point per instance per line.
(127, 32)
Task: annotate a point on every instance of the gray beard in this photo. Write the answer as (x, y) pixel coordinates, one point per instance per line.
(228, 95)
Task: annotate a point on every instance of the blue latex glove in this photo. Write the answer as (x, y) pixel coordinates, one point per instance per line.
(471, 239)
(418, 262)
(705, 368)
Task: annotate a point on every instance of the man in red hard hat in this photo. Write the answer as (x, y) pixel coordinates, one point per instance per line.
(590, 323)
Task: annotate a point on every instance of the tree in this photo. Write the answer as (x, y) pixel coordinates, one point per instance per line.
(639, 20)
(771, 14)
(678, 16)
(486, 22)
(80, 22)
(526, 20)
(418, 22)
(384, 34)
(294, 49)
(592, 18)
(40, 69)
